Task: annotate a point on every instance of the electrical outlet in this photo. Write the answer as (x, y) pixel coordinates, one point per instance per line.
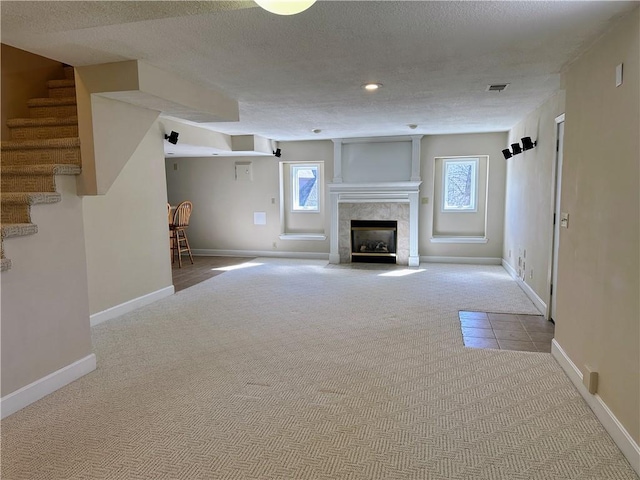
(590, 379)
(273, 200)
(531, 274)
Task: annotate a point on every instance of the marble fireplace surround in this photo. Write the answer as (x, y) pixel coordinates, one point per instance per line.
(375, 201)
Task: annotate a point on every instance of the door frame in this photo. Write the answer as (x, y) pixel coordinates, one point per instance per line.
(556, 182)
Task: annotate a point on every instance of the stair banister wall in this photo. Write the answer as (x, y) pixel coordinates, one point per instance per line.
(45, 310)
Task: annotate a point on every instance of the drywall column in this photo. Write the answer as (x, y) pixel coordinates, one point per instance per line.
(598, 306)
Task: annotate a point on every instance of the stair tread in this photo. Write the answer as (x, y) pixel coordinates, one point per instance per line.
(18, 229)
(5, 264)
(65, 83)
(51, 102)
(41, 122)
(52, 169)
(29, 198)
(69, 142)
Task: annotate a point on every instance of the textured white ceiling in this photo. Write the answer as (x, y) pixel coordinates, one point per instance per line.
(297, 73)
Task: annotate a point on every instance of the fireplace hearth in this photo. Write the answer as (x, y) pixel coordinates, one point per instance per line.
(374, 241)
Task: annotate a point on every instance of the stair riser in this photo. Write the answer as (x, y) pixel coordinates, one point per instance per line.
(69, 73)
(31, 183)
(40, 133)
(69, 156)
(53, 111)
(16, 214)
(62, 92)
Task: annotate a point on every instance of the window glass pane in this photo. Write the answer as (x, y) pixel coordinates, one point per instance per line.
(460, 185)
(305, 187)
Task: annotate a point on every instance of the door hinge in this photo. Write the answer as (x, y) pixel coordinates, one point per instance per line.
(552, 289)
(558, 145)
(554, 218)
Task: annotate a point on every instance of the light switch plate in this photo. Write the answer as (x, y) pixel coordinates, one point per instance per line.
(564, 219)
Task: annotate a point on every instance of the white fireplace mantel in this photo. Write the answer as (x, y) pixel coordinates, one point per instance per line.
(382, 192)
(373, 161)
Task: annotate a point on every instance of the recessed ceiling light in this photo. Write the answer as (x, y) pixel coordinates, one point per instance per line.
(371, 87)
(316, 130)
(412, 126)
(169, 153)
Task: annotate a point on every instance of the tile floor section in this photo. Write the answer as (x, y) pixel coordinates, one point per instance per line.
(525, 333)
(203, 268)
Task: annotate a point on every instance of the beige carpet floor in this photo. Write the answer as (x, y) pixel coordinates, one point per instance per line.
(290, 369)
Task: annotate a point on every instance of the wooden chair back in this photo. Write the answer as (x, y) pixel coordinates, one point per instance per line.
(182, 214)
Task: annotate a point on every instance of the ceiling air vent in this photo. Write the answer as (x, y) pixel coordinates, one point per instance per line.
(497, 87)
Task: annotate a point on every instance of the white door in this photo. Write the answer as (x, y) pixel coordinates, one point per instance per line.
(556, 215)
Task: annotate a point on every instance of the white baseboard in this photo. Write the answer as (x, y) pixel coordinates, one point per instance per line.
(260, 253)
(611, 424)
(463, 260)
(33, 392)
(533, 296)
(131, 305)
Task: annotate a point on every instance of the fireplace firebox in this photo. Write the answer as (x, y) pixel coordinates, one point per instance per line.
(374, 241)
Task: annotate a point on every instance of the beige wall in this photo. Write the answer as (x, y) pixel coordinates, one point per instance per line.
(223, 207)
(598, 309)
(24, 76)
(486, 144)
(45, 309)
(126, 230)
(530, 195)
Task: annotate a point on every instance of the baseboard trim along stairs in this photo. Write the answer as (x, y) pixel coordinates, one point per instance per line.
(42, 387)
(131, 305)
(41, 147)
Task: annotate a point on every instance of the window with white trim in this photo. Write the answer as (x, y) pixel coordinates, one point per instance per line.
(304, 187)
(460, 185)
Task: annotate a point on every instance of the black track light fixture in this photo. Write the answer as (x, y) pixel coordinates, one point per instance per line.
(173, 138)
(527, 144)
(507, 154)
(515, 148)
(277, 152)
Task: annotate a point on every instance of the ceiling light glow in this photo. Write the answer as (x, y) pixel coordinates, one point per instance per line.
(371, 87)
(285, 7)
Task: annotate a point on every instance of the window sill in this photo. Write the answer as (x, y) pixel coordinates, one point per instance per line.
(459, 239)
(303, 236)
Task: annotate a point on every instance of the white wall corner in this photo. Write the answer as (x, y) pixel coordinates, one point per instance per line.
(11, 403)
(611, 424)
(533, 296)
(126, 307)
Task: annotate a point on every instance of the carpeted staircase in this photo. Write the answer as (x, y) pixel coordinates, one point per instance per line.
(41, 147)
